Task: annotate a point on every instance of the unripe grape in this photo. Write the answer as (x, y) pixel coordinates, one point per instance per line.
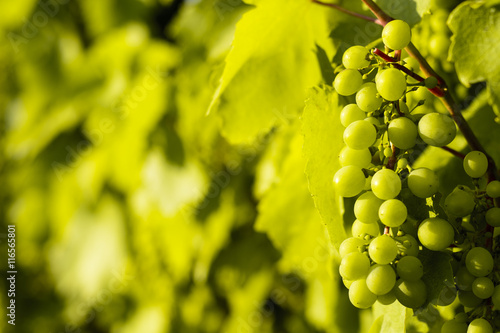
(348, 82)
(454, 326)
(349, 181)
(480, 325)
(483, 287)
(396, 34)
(431, 82)
(493, 216)
(468, 299)
(360, 135)
(479, 261)
(393, 213)
(437, 129)
(367, 99)
(391, 84)
(383, 249)
(354, 266)
(349, 245)
(350, 113)
(436, 234)
(410, 268)
(387, 299)
(439, 45)
(464, 279)
(423, 182)
(402, 132)
(411, 294)
(381, 279)
(347, 283)
(386, 184)
(360, 296)
(366, 207)
(459, 203)
(359, 229)
(355, 57)
(493, 189)
(357, 157)
(407, 245)
(475, 164)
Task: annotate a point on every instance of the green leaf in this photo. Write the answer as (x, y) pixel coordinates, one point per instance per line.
(269, 68)
(475, 48)
(410, 11)
(389, 318)
(322, 143)
(438, 276)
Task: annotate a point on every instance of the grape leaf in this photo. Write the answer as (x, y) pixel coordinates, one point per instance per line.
(389, 318)
(410, 11)
(438, 276)
(271, 64)
(322, 143)
(475, 48)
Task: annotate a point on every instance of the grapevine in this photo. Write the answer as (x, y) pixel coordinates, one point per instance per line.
(381, 262)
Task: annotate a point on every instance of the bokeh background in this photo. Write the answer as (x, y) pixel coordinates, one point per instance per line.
(133, 213)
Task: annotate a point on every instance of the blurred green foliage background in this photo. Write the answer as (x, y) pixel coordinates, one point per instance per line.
(133, 214)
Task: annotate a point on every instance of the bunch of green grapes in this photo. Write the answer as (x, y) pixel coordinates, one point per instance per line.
(382, 262)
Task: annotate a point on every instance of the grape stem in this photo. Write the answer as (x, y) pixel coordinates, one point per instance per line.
(447, 99)
(454, 152)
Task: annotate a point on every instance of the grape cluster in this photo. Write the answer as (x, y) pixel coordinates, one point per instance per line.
(382, 260)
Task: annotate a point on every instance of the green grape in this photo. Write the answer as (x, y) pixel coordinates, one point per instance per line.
(359, 229)
(357, 157)
(388, 152)
(468, 299)
(410, 268)
(436, 234)
(475, 164)
(464, 279)
(493, 189)
(349, 245)
(386, 184)
(349, 181)
(348, 82)
(366, 207)
(360, 296)
(439, 45)
(387, 299)
(431, 82)
(437, 129)
(360, 135)
(411, 294)
(381, 279)
(495, 298)
(423, 182)
(350, 113)
(393, 213)
(493, 217)
(347, 283)
(367, 99)
(383, 250)
(479, 261)
(413, 65)
(459, 203)
(373, 121)
(483, 287)
(396, 34)
(454, 326)
(402, 133)
(402, 163)
(391, 84)
(480, 325)
(438, 20)
(354, 266)
(355, 57)
(407, 245)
